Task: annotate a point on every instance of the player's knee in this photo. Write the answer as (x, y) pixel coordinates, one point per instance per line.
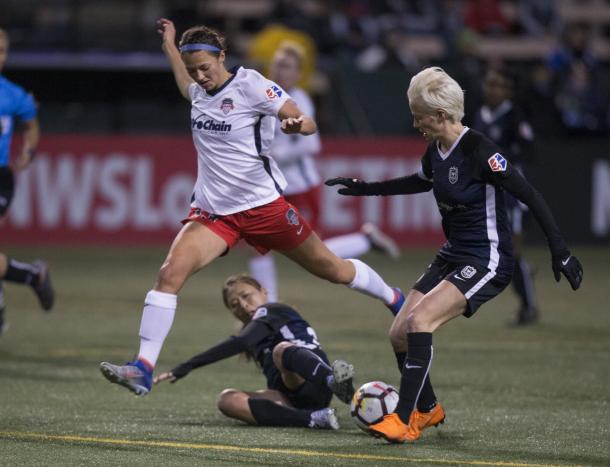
(227, 400)
(417, 320)
(170, 278)
(278, 354)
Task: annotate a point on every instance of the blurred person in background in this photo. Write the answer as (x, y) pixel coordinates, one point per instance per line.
(295, 155)
(238, 192)
(468, 175)
(300, 379)
(17, 104)
(501, 120)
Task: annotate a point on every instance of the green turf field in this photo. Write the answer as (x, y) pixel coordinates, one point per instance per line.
(534, 396)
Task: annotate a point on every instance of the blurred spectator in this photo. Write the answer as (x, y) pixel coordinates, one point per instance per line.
(467, 68)
(575, 46)
(539, 17)
(582, 104)
(392, 54)
(539, 102)
(485, 17)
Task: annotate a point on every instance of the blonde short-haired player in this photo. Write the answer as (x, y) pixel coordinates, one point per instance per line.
(238, 192)
(468, 175)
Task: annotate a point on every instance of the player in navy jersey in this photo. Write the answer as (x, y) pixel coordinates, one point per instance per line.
(468, 175)
(300, 380)
(502, 121)
(238, 192)
(16, 104)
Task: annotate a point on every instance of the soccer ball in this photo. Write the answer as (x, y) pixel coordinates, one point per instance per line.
(371, 402)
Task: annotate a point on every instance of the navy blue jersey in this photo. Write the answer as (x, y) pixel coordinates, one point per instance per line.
(284, 324)
(271, 324)
(466, 184)
(509, 129)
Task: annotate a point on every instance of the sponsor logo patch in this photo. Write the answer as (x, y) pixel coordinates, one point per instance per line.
(467, 272)
(453, 175)
(497, 163)
(227, 105)
(274, 92)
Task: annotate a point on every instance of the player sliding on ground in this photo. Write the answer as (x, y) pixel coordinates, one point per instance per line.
(238, 192)
(300, 380)
(468, 175)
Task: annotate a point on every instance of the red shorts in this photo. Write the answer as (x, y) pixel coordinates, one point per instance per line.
(308, 204)
(273, 226)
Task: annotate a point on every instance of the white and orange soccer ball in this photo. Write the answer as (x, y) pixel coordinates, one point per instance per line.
(371, 402)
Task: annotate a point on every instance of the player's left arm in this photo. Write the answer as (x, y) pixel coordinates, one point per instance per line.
(503, 174)
(31, 137)
(295, 121)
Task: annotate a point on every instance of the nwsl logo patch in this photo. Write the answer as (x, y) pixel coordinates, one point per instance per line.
(273, 92)
(497, 163)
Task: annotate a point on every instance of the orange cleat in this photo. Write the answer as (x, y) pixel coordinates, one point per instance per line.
(393, 429)
(423, 420)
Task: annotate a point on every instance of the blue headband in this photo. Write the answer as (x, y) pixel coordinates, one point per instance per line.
(196, 47)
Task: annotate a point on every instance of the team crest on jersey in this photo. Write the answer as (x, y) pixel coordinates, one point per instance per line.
(497, 163)
(467, 272)
(227, 105)
(274, 92)
(260, 313)
(453, 175)
(292, 217)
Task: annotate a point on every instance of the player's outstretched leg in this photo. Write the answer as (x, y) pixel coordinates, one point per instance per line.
(36, 275)
(338, 377)
(135, 376)
(3, 322)
(270, 407)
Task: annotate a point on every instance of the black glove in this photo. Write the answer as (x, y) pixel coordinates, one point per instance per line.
(570, 267)
(353, 186)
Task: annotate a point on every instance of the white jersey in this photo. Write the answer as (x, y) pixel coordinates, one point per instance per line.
(233, 127)
(295, 153)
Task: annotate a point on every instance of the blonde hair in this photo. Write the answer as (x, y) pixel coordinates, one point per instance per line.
(434, 89)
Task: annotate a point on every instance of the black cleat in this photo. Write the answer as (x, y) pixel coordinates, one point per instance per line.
(3, 322)
(526, 316)
(43, 289)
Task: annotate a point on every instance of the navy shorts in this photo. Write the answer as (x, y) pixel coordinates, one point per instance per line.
(476, 282)
(308, 396)
(7, 189)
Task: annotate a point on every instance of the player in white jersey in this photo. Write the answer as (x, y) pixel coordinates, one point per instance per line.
(294, 155)
(237, 193)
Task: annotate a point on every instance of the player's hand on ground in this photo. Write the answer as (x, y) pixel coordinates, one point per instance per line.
(167, 376)
(292, 125)
(166, 28)
(570, 267)
(352, 186)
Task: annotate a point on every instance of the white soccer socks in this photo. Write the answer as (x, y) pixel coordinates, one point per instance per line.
(157, 319)
(368, 282)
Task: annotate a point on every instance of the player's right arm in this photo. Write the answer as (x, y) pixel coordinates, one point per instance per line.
(168, 34)
(415, 183)
(253, 333)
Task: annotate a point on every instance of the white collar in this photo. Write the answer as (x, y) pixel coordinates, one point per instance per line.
(453, 146)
